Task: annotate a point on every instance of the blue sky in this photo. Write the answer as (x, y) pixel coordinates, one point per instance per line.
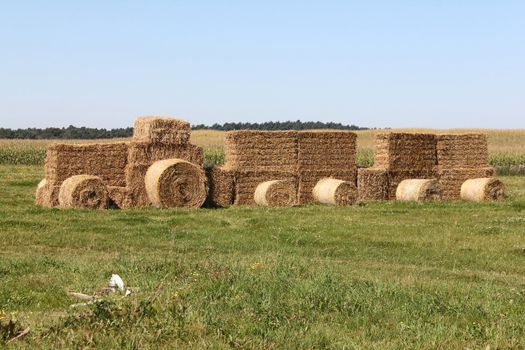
(441, 64)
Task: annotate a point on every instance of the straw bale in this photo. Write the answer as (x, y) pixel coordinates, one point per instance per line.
(462, 151)
(119, 197)
(176, 183)
(309, 178)
(322, 150)
(221, 192)
(403, 151)
(452, 179)
(264, 150)
(395, 178)
(83, 191)
(246, 181)
(161, 130)
(335, 192)
(483, 189)
(145, 153)
(276, 193)
(47, 194)
(106, 160)
(419, 190)
(372, 184)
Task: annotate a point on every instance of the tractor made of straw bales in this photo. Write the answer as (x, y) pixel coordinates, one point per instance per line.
(157, 167)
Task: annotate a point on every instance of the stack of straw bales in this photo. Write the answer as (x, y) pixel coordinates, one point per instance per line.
(121, 166)
(105, 160)
(300, 158)
(459, 158)
(398, 157)
(323, 154)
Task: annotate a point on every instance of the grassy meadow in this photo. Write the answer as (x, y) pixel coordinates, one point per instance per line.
(444, 275)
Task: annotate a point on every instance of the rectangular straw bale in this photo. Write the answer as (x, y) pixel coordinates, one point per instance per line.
(107, 160)
(264, 150)
(120, 196)
(372, 184)
(246, 182)
(161, 130)
(135, 184)
(452, 179)
(145, 153)
(462, 151)
(308, 179)
(322, 150)
(395, 177)
(221, 190)
(404, 151)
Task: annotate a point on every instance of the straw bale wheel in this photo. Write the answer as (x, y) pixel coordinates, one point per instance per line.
(335, 192)
(419, 190)
(83, 191)
(483, 189)
(176, 183)
(276, 193)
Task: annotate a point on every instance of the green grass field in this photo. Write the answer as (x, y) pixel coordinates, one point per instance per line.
(447, 275)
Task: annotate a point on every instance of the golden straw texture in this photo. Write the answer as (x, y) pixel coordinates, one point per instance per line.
(276, 193)
(175, 183)
(83, 191)
(419, 190)
(483, 189)
(335, 192)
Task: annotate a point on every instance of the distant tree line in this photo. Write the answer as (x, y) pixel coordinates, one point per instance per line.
(72, 132)
(288, 125)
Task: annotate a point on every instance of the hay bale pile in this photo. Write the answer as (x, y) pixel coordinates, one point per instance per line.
(141, 155)
(398, 157)
(459, 158)
(122, 166)
(323, 154)
(105, 160)
(299, 157)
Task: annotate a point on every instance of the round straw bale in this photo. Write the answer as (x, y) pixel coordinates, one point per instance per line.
(176, 183)
(335, 192)
(419, 190)
(41, 195)
(276, 193)
(483, 189)
(83, 191)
